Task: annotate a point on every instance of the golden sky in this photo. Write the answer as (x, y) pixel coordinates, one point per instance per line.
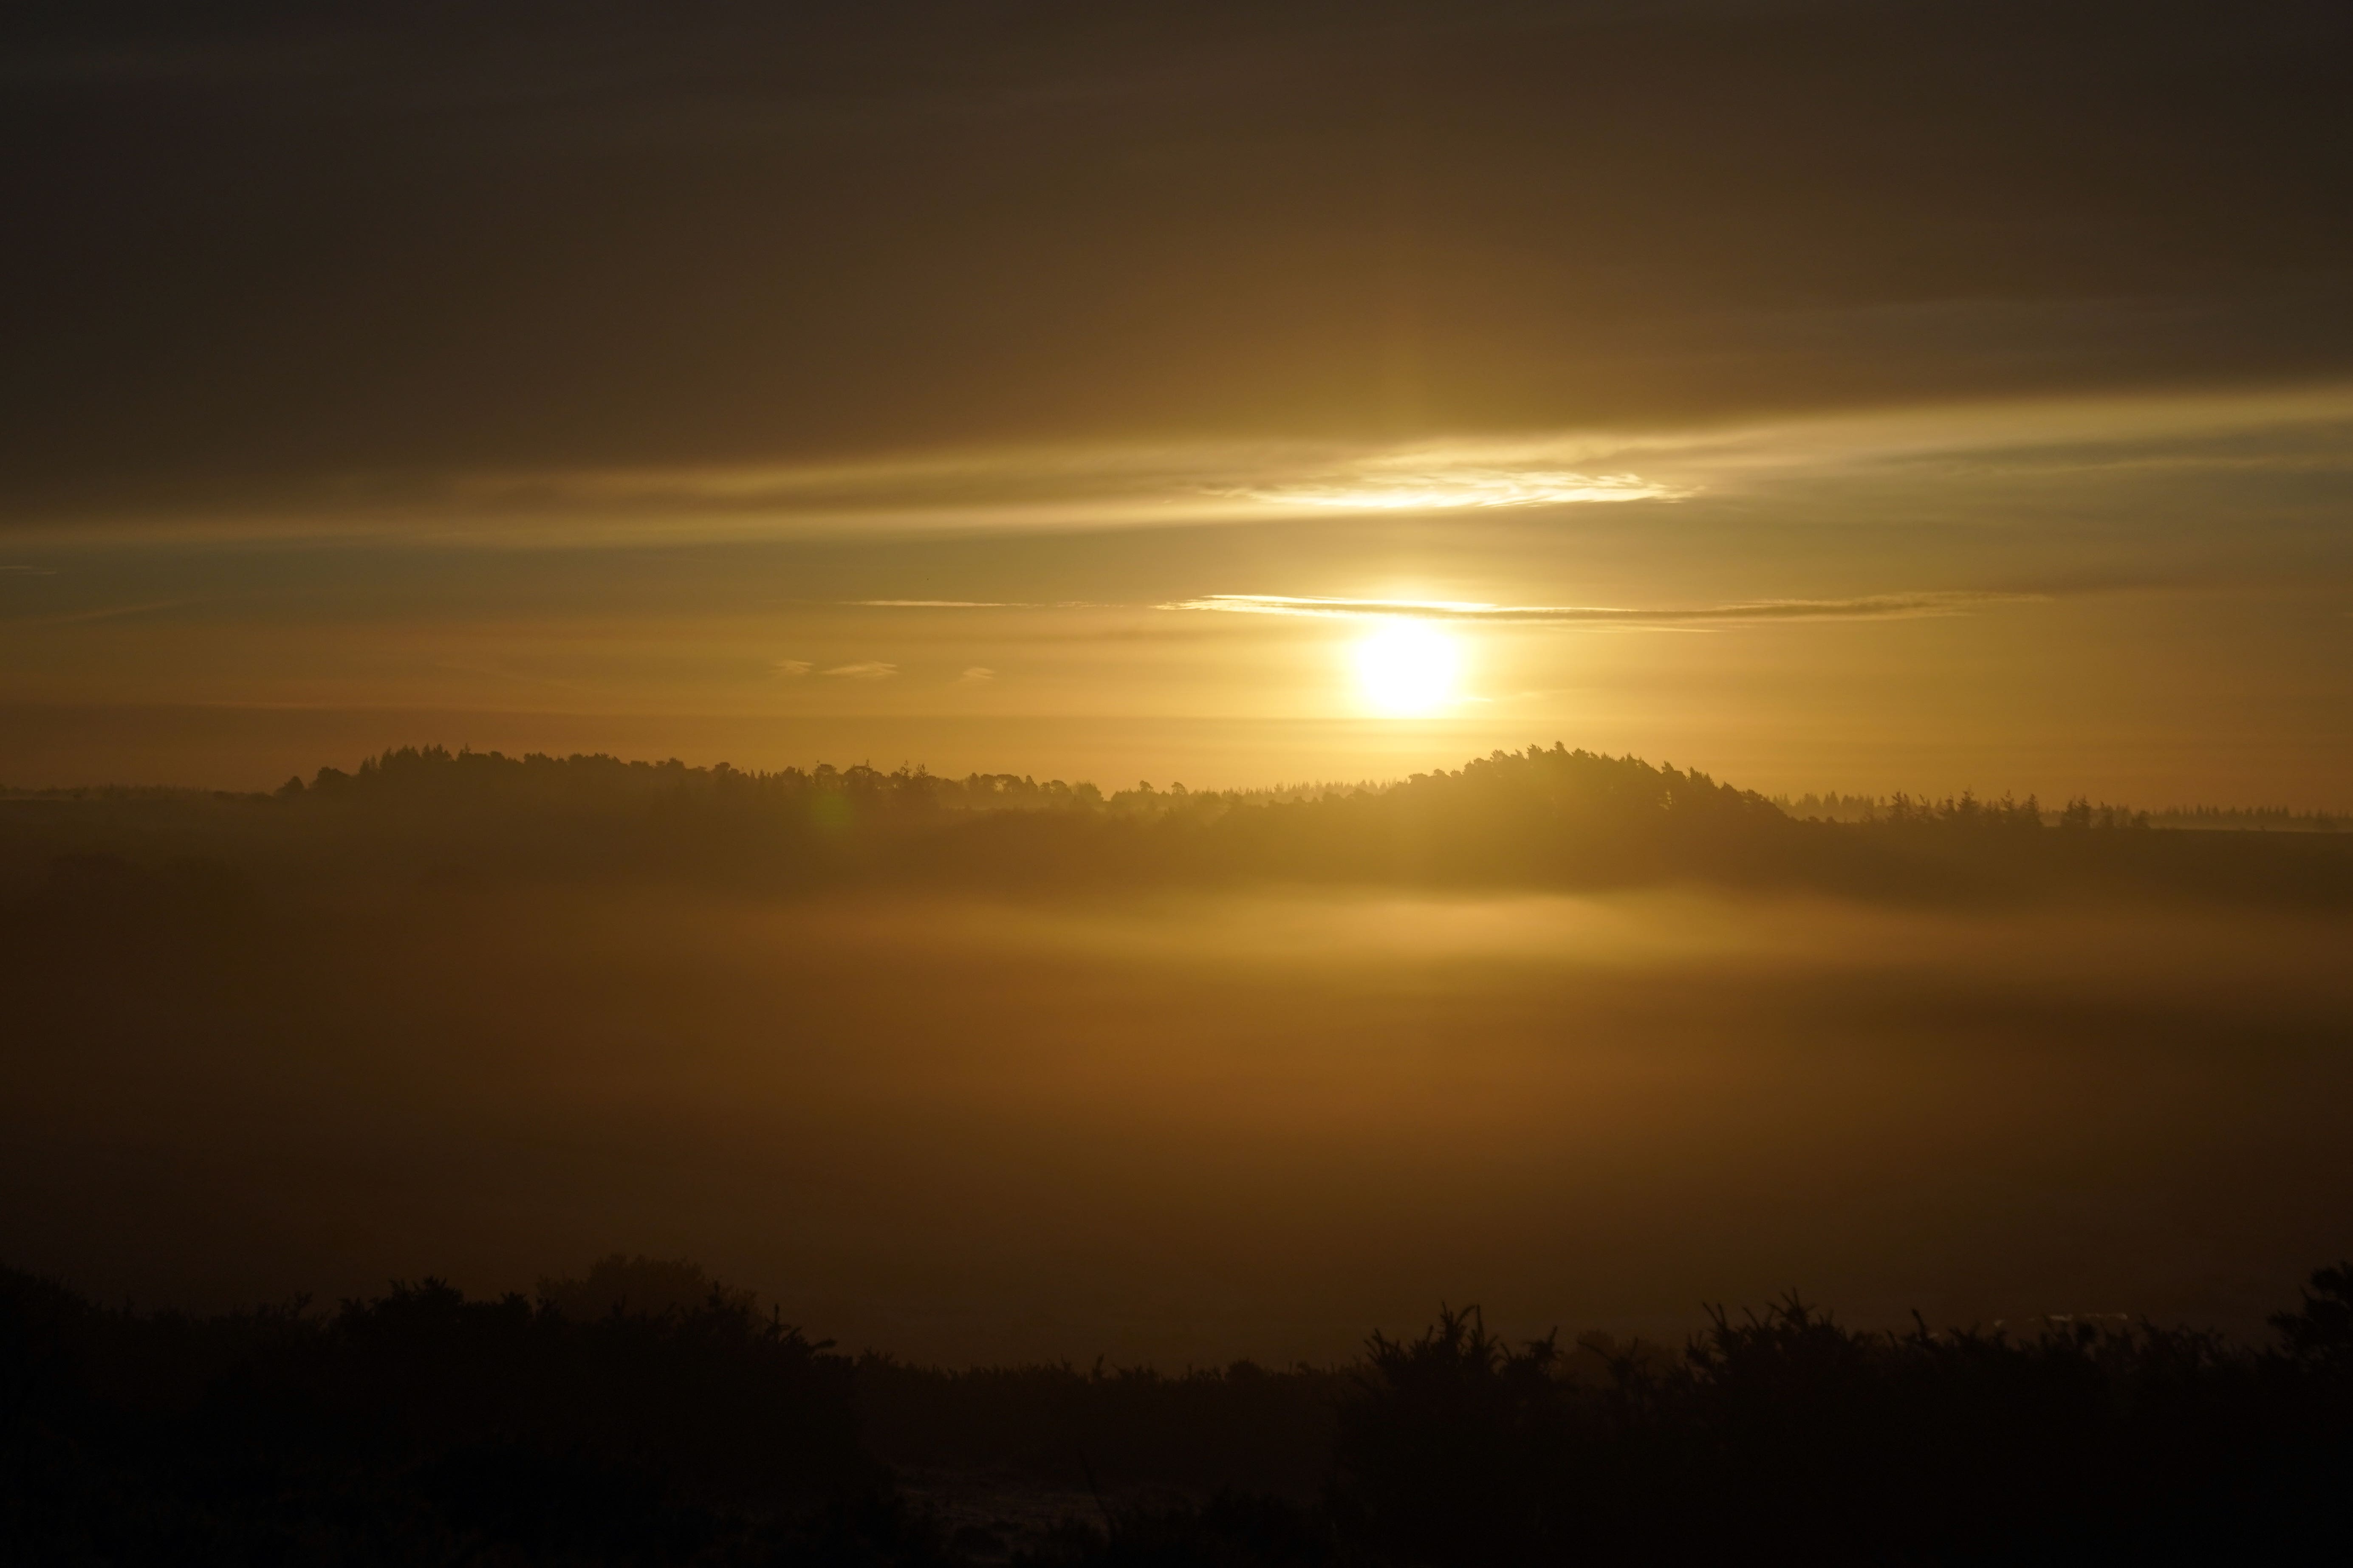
(1828, 397)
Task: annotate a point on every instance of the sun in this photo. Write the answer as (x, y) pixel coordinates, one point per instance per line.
(1407, 669)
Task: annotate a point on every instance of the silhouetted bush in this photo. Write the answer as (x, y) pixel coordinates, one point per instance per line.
(1232, 1530)
(1784, 1434)
(1243, 1427)
(425, 1427)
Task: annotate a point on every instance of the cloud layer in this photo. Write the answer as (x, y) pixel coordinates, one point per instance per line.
(267, 248)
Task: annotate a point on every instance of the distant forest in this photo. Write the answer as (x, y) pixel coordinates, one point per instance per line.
(1544, 817)
(1837, 807)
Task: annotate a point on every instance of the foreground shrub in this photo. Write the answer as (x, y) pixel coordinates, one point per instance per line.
(1785, 1432)
(422, 1427)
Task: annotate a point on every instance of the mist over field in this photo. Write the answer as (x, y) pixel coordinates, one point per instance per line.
(1164, 1117)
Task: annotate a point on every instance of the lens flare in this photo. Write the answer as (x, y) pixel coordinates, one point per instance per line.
(1407, 669)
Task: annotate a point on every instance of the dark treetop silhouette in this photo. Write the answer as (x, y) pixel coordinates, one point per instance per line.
(1542, 817)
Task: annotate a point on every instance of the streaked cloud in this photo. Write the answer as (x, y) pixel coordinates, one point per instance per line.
(1089, 486)
(981, 604)
(865, 670)
(1874, 607)
(1443, 488)
(1095, 487)
(1877, 606)
(103, 613)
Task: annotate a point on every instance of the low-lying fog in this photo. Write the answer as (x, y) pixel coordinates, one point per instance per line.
(1185, 1129)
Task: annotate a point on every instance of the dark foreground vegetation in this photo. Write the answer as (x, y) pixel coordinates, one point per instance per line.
(1546, 817)
(623, 1418)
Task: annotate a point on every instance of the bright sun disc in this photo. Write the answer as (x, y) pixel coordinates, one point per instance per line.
(1407, 667)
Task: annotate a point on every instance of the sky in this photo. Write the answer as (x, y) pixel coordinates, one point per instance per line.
(1906, 395)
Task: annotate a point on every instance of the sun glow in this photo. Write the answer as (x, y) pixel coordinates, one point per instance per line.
(1407, 669)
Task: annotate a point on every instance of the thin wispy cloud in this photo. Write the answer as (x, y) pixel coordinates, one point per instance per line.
(794, 668)
(865, 670)
(106, 612)
(976, 675)
(1019, 489)
(977, 604)
(1454, 488)
(1875, 606)
(1013, 490)
(514, 677)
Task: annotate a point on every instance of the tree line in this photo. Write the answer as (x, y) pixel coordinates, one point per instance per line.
(1543, 816)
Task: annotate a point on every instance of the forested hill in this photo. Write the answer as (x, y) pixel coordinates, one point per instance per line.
(1542, 817)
